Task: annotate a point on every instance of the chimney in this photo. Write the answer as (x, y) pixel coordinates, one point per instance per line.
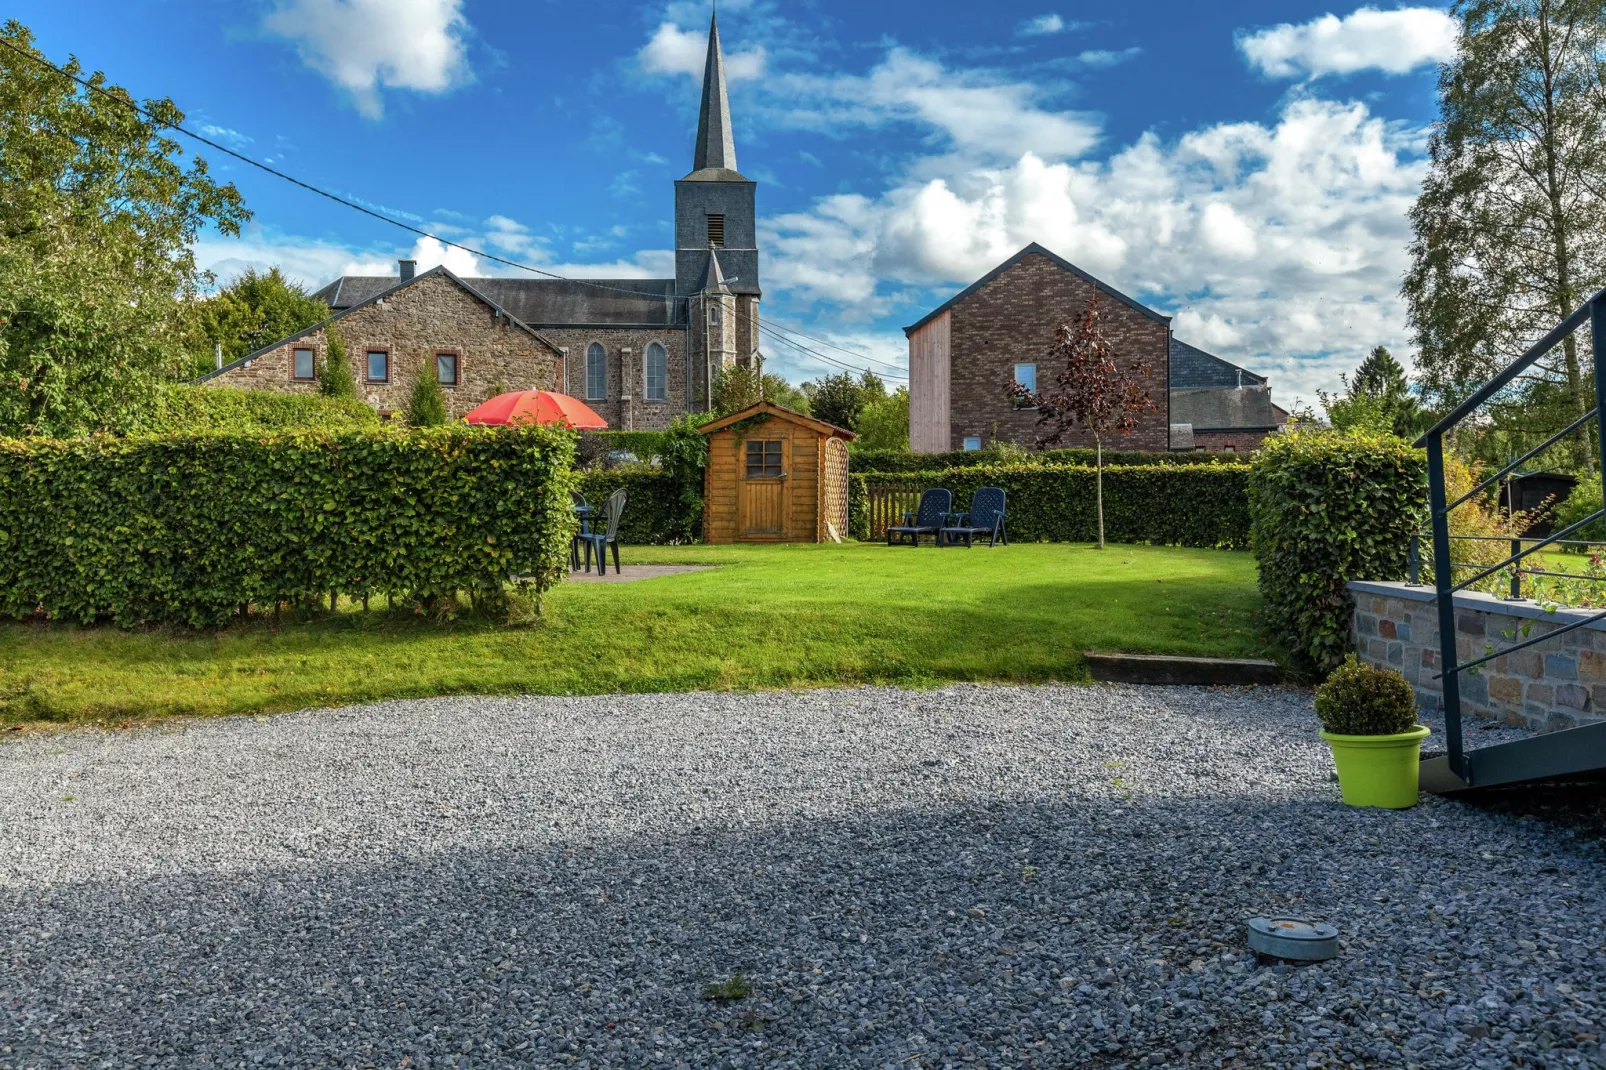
(1240, 370)
(217, 354)
(407, 269)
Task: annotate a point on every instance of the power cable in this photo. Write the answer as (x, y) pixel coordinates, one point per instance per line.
(779, 337)
(831, 345)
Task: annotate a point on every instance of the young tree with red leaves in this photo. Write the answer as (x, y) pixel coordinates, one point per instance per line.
(1091, 393)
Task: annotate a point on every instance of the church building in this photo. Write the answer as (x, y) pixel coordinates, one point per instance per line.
(638, 351)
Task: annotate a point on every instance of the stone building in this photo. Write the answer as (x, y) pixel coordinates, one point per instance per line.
(1218, 406)
(638, 351)
(966, 356)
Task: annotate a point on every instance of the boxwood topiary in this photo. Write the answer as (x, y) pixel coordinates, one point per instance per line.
(1360, 700)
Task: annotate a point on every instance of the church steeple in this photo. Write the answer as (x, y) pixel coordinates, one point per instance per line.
(716, 146)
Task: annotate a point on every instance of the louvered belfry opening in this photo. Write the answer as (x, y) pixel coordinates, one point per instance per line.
(716, 229)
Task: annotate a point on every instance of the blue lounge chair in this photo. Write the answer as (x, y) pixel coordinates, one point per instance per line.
(934, 506)
(601, 540)
(986, 517)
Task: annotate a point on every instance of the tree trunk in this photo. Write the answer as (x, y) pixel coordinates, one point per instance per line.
(1098, 446)
(1562, 250)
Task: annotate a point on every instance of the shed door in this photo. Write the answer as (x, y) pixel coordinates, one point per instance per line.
(762, 510)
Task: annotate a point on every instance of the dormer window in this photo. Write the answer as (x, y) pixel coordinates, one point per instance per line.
(716, 229)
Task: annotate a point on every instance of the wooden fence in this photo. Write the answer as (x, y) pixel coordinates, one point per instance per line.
(887, 506)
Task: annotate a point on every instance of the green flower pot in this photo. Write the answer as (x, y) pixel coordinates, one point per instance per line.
(1378, 770)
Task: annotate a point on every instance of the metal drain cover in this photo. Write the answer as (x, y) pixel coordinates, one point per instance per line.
(1293, 938)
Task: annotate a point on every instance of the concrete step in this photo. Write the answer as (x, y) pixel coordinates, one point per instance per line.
(1169, 669)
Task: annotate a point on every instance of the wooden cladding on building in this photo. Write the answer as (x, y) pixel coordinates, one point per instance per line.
(774, 475)
(929, 378)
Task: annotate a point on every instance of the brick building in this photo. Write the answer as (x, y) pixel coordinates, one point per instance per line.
(966, 355)
(1218, 406)
(638, 351)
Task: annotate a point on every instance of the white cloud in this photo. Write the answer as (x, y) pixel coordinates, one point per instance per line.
(365, 46)
(676, 51)
(1042, 26)
(1280, 246)
(1390, 41)
(232, 138)
(1104, 57)
(978, 112)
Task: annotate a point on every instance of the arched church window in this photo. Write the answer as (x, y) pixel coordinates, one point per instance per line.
(596, 372)
(657, 373)
(716, 313)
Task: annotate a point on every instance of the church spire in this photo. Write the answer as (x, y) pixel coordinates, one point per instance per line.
(716, 147)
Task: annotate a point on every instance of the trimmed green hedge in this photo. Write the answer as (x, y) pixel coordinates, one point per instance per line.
(870, 460)
(644, 444)
(195, 529)
(1175, 505)
(194, 409)
(1329, 508)
(656, 512)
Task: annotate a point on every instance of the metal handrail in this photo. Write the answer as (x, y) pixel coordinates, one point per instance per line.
(1512, 467)
(1445, 586)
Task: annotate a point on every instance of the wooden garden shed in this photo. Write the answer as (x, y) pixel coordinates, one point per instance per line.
(775, 475)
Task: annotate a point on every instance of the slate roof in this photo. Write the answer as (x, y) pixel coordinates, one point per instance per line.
(716, 146)
(543, 302)
(1194, 369)
(1216, 409)
(393, 284)
(1103, 287)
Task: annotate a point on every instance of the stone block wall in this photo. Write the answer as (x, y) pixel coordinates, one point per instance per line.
(626, 407)
(1549, 686)
(434, 315)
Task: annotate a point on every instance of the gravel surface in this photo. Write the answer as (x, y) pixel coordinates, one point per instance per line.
(996, 876)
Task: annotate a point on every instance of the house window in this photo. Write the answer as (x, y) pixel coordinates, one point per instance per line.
(446, 369)
(305, 367)
(764, 460)
(1229, 448)
(716, 229)
(1026, 375)
(378, 366)
(657, 373)
(972, 442)
(596, 372)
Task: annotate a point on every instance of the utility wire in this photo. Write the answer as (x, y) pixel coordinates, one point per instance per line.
(831, 345)
(778, 333)
(382, 217)
(779, 337)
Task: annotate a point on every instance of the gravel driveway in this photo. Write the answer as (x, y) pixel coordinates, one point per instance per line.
(989, 876)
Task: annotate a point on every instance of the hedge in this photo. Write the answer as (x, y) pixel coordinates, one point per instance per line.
(1329, 508)
(656, 512)
(1177, 505)
(880, 460)
(196, 529)
(191, 409)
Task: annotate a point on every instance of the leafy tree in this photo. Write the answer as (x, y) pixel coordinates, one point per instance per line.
(426, 405)
(1091, 392)
(784, 393)
(1509, 227)
(838, 399)
(98, 219)
(255, 310)
(335, 378)
(1354, 413)
(1377, 400)
(884, 423)
(737, 387)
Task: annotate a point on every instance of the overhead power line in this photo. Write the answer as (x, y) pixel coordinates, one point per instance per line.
(833, 361)
(896, 368)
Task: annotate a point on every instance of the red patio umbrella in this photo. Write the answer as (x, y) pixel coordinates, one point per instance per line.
(537, 407)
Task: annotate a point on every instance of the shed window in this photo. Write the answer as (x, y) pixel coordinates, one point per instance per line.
(657, 373)
(446, 369)
(305, 366)
(596, 372)
(764, 460)
(972, 442)
(378, 366)
(716, 229)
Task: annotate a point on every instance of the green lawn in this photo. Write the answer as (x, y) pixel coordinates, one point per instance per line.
(769, 617)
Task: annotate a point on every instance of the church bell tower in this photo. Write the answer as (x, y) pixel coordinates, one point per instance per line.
(716, 241)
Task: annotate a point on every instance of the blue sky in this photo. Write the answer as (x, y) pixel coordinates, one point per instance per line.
(1245, 167)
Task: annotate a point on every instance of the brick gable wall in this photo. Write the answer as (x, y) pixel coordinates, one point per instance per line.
(434, 315)
(1012, 319)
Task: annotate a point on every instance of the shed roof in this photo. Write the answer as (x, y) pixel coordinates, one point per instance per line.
(769, 408)
(1035, 249)
(547, 302)
(1215, 409)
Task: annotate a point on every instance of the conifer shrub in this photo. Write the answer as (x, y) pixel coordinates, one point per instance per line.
(1358, 699)
(426, 405)
(335, 378)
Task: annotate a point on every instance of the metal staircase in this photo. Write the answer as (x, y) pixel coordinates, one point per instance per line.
(1564, 753)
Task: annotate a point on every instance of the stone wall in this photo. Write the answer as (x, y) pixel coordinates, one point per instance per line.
(434, 315)
(627, 349)
(1551, 685)
(1012, 320)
